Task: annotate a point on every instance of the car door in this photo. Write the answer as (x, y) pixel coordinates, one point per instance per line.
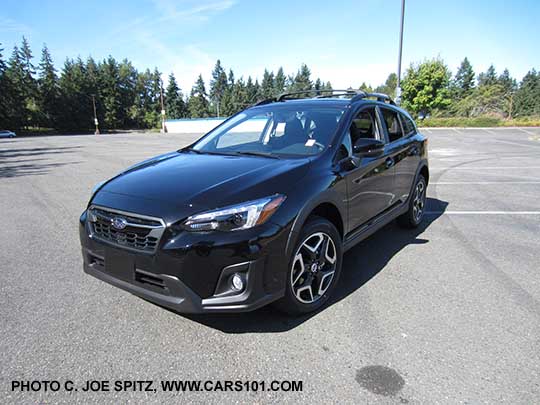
(370, 180)
(403, 149)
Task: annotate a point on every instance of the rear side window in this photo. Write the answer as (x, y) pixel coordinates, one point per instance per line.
(392, 124)
(408, 125)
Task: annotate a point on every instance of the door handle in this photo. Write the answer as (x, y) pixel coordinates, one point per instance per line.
(389, 162)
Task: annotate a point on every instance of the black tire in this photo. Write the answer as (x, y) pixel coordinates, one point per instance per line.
(315, 227)
(417, 205)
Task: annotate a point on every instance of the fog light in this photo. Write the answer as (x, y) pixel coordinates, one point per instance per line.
(237, 282)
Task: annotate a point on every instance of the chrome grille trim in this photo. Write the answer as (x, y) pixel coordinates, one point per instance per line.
(141, 233)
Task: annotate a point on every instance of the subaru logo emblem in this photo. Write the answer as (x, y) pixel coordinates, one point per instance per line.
(118, 223)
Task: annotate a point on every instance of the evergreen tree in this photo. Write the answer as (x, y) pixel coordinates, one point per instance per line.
(488, 78)
(6, 96)
(509, 86)
(29, 70)
(231, 78)
(267, 84)
(218, 85)
(48, 91)
(110, 93)
(174, 100)
(227, 102)
(365, 87)
(198, 101)
(239, 96)
(251, 92)
(527, 98)
(76, 105)
(258, 91)
(15, 76)
(302, 80)
(145, 101)
(318, 84)
(93, 86)
(29, 89)
(507, 81)
(127, 83)
(280, 82)
(464, 80)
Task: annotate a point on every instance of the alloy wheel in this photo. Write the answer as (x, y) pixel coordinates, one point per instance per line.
(313, 267)
(419, 201)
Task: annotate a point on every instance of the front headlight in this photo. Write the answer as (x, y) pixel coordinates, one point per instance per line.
(235, 217)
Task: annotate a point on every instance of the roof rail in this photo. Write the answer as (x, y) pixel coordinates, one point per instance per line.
(384, 98)
(265, 101)
(355, 95)
(318, 93)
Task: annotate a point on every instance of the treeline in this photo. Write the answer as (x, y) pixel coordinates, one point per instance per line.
(36, 95)
(430, 89)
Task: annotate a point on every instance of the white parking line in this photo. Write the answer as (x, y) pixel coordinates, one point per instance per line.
(483, 212)
(485, 182)
(484, 168)
(513, 143)
(527, 132)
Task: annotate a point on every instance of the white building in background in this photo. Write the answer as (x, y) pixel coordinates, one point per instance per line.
(192, 126)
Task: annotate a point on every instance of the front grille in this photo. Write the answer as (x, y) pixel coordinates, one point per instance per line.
(136, 232)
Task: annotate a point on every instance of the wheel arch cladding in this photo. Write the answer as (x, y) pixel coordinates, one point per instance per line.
(424, 171)
(330, 212)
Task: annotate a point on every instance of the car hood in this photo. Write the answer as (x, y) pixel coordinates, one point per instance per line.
(177, 185)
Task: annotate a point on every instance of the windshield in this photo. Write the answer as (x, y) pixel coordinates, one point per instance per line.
(274, 130)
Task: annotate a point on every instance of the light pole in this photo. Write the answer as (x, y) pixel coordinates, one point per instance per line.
(163, 127)
(398, 88)
(96, 123)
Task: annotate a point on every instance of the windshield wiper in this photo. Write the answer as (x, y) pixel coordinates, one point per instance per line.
(207, 152)
(261, 154)
(190, 150)
(229, 153)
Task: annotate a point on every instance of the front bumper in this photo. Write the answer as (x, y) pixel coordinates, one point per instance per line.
(190, 273)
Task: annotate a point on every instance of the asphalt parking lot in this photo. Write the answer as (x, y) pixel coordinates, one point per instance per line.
(448, 313)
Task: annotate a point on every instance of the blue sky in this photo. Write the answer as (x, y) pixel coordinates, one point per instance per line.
(344, 41)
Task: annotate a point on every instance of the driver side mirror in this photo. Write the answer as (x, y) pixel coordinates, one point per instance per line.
(368, 147)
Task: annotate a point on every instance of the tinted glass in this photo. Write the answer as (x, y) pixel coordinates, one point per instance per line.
(364, 125)
(392, 124)
(408, 125)
(277, 129)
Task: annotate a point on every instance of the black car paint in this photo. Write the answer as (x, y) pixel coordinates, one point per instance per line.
(365, 192)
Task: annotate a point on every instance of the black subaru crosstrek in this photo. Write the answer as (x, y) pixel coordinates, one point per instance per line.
(261, 209)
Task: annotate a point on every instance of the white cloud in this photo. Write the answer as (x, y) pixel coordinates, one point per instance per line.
(9, 25)
(198, 10)
(186, 61)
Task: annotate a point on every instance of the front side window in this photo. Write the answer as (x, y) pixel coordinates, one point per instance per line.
(276, 129)
(364, 125)
(393, 125)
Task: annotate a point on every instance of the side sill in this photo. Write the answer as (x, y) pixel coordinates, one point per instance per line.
(374, 225)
